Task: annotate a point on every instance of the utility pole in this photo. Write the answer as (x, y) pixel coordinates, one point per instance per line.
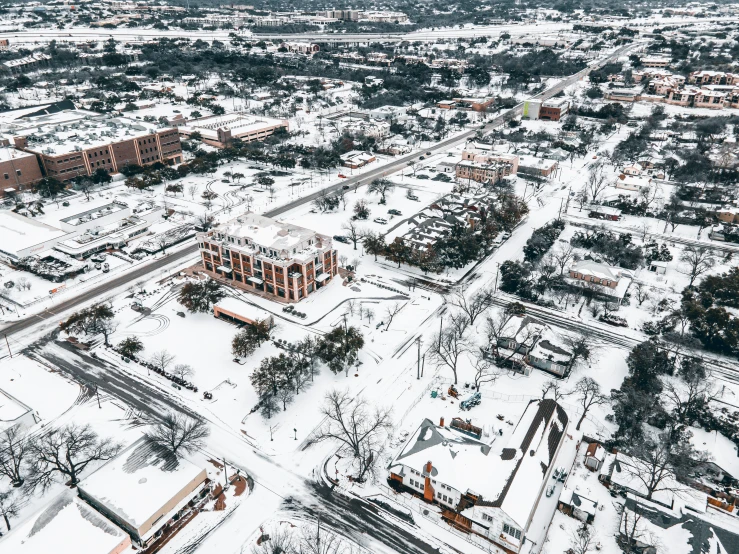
(225, 474)
(418, 359)
(8, 343)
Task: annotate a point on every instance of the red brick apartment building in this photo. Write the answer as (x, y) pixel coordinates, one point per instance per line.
(84, 146)
(278, 260)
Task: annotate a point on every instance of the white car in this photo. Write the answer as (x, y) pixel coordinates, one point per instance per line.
(381, 220)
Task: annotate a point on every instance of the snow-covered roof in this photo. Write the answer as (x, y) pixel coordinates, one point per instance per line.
(19, 233)
(596, 269)
(511, 479)
(12, 410)
(66, 524)
(270, 233)
(243, 309)
(139, 481)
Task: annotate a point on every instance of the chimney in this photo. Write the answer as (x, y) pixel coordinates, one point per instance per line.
(441, 422)
(429, 467)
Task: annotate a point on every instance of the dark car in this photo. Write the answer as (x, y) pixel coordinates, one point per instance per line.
(345, 187)
(341, 238)
(394, 212)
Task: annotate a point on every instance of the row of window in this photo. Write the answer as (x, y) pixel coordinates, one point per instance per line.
(512, 531)
(417, 484)
(17, 172)
(65, 160)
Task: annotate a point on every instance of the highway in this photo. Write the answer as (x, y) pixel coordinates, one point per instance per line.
(138, 35)
(396, 165)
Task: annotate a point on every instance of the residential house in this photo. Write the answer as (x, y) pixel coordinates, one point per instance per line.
(633, 182)
(600, 278)
(535, 344)
(489, 488)
(357, 158)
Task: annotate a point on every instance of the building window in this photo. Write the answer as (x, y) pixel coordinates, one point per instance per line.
(18, 172)
(512, 531)
(7, 176)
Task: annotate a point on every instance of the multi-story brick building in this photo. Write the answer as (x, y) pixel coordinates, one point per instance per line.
(18, 170)
(93, 141)
(278, 260)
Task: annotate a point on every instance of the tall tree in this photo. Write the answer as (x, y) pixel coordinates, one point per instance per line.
(200, 296)
(697, 260)
(14, 453)
(381, 187)
(177, 432)
(589, 395)
(66, 451)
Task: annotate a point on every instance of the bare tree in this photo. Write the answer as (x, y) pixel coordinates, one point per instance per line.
(358, 428)
(589, 395)
(281, 541)
(697, 260)
(316, 540)
(177, 432)
(582, 540)
(161, 359)
(66, 451)
(369, 313)
(648, 195)
(689, 397)
(192, 190)
(554, 389)
(14, 452)
(563, 257)
(634, 532)
(391, 312)
(107, 327)
(10, 507)
(642, 292)
(183, 371)
(476, 305)
(660, 464)
(450, 345)
(285, 395)
(353, 232)
(485, 371)
(356, 262)
(597, 181)
(495, 330)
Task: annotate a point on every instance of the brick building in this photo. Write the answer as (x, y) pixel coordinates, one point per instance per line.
(93, 142)
(278, 260)
(18, 170)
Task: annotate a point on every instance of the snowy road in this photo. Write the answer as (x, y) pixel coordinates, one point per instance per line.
(278, 489)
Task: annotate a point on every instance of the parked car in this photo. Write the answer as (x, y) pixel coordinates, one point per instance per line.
(381, 220)
(394, 212)
(614, 320)
(342, 176)
(550, 490)
(106, 267)
(413, 197)
(342, 238)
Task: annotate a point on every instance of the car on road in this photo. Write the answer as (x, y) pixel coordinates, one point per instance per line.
(342, 176)
(342, 238)
(428, 153)
(345, 187)
(422, 158)
(394, 212)
(381, 220)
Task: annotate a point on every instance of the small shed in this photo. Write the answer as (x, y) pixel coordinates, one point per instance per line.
(594, 456)
(660, 268)
(577, 506)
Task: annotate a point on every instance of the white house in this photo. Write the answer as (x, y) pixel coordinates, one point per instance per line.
(490, 488)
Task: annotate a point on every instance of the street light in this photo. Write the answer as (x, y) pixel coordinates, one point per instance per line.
(296, 433)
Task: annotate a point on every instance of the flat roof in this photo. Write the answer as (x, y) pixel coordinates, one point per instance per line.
(19, 232)
(66, 524)
(89, 132)
(240, 124)
(139, 481)
(267, 232)
(9, 153)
